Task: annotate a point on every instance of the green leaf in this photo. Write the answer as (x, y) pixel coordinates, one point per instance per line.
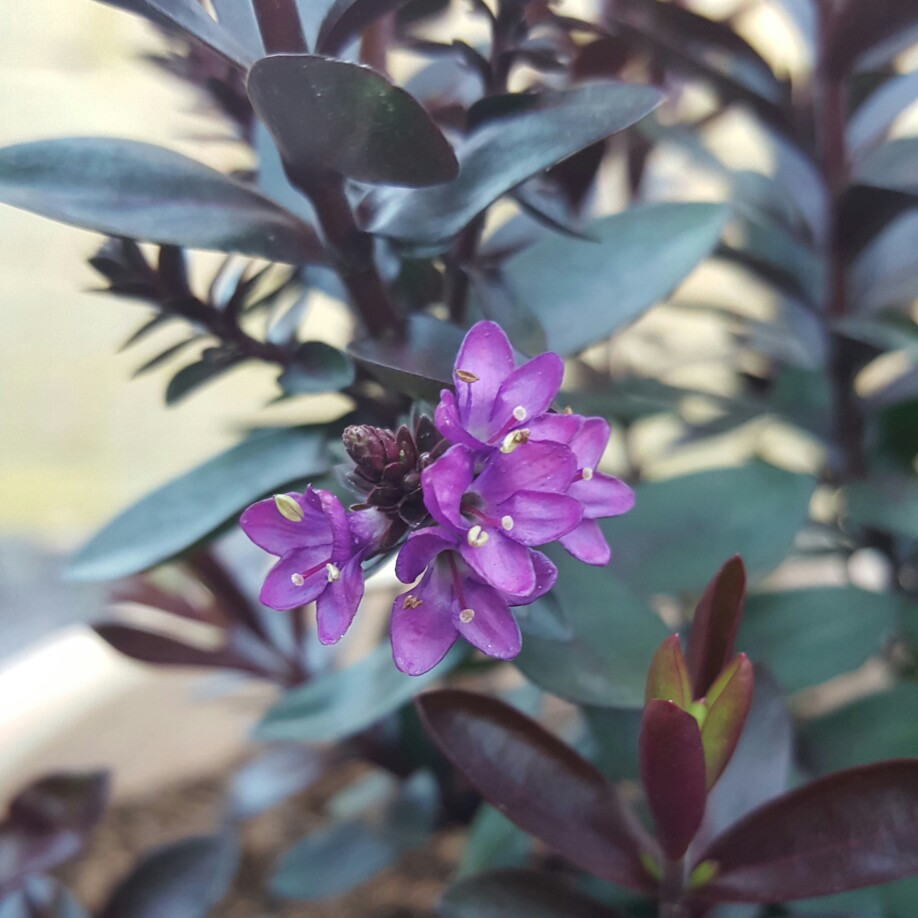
(214, 362)
(329, 114)
(493, 841)
(890, 504)
(640, 256)
(125, 188)
(808, 636)
(506, 151)
(183, 512)
(589, 641)
(881, 726)
(884, 273)
(682, 528)
(891, 165)
(874, 116)
(317, 367)
(519, 894)
(346, 701)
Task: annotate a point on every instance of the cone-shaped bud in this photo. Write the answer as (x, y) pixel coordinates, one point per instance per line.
(727, 706)
(714, 627)
(366, 445)
(673, 774)
(667, 678)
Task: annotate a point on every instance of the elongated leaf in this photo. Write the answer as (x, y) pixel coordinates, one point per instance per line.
(279, 772)
(519, 894)
(848, 830)
(190, 18)
(667, 676)
(752, 510)
(672, 772)
(346, 19)
(874, 116)
(328, 114)
(213, 364)
(509, 150)
(188, 509)
(125, 188)
(889, 504)
(41, 897)
(608, 282)
(590, 640)
(317, 367)
(534, 779)
(885, 273)
(890, 166)
(808, 636)
(239, 19)
(715, 624)
(348, 700)
(876, 727)
(728, 702)
(856, 27)
(185, 879)
(493, 842)
(418, 363)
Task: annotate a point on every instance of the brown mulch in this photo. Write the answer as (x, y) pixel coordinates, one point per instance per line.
(408, 890)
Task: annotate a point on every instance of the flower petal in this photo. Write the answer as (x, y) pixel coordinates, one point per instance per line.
(504, 564)
(444, 483)
(587, 543)
(369, 527)
(486, 354)
(538, 518)
(558, 428)
(546, 575)
(539, 466)
(420, 550)
(337, 605)
(591, 441)
(279, 590)
(448, 421)
(269, 529)
(602, 495)
(531, 387)
(337, 518)
(422, 628)
(492, 629)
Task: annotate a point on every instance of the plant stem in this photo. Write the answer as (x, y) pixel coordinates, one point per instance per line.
(280, 26)
(672, 887)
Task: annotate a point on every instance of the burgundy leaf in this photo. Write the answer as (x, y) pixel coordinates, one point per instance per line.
(667, 677)
(673, 774)
(857, 26)
(347, 19)
(851, 829)
(717, 618)
(61, 801)
(538, 782)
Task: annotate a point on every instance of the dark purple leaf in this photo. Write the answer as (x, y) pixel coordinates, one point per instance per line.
(183, 512)
(519, 894)
(667, 677)
(347, 19)
(126, 188)
(539, 783)
(507, 151)
(673, 774)
(854, 828)
(327, 114)
(185, 879)
(858, 25)
(714, 627)
(418, 363)
(190, 18)
(316, 367)
(214, 362)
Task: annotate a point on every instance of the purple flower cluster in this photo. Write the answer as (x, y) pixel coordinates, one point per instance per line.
(508, 477)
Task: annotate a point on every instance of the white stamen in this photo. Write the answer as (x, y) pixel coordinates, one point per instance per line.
(520, 413)
(586, 473)
(514, 439)
(507, 522)
(477, 537)
(334, 575)
(288, 508)
(466, 616)
(297, 579)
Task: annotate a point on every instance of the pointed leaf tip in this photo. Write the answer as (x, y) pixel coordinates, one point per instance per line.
(667, 677)
(728, 703)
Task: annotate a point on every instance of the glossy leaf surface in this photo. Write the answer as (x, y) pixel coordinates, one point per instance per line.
(328, 114)
(673, 774)
(809, 636)
(714, 626)
(667, 676)
(512, 762)
(607, 281)
(519, 894)
(126, 188)
(505, 152)
(346, 701)
(728, 704)
(851, 829)
(188, 509)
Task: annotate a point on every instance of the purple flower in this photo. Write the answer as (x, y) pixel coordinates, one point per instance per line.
(599, 495)
(494, 398)
(515, 502)
(449, 601)
(319, 556)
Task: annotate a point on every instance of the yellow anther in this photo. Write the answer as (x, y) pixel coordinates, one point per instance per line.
(334, 574)
(477, 537)
(466, 616)
(514, 439)
(466, 376)
(288, 508)
(411, 602)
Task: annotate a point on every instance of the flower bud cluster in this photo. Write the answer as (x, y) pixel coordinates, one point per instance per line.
(495, 476)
